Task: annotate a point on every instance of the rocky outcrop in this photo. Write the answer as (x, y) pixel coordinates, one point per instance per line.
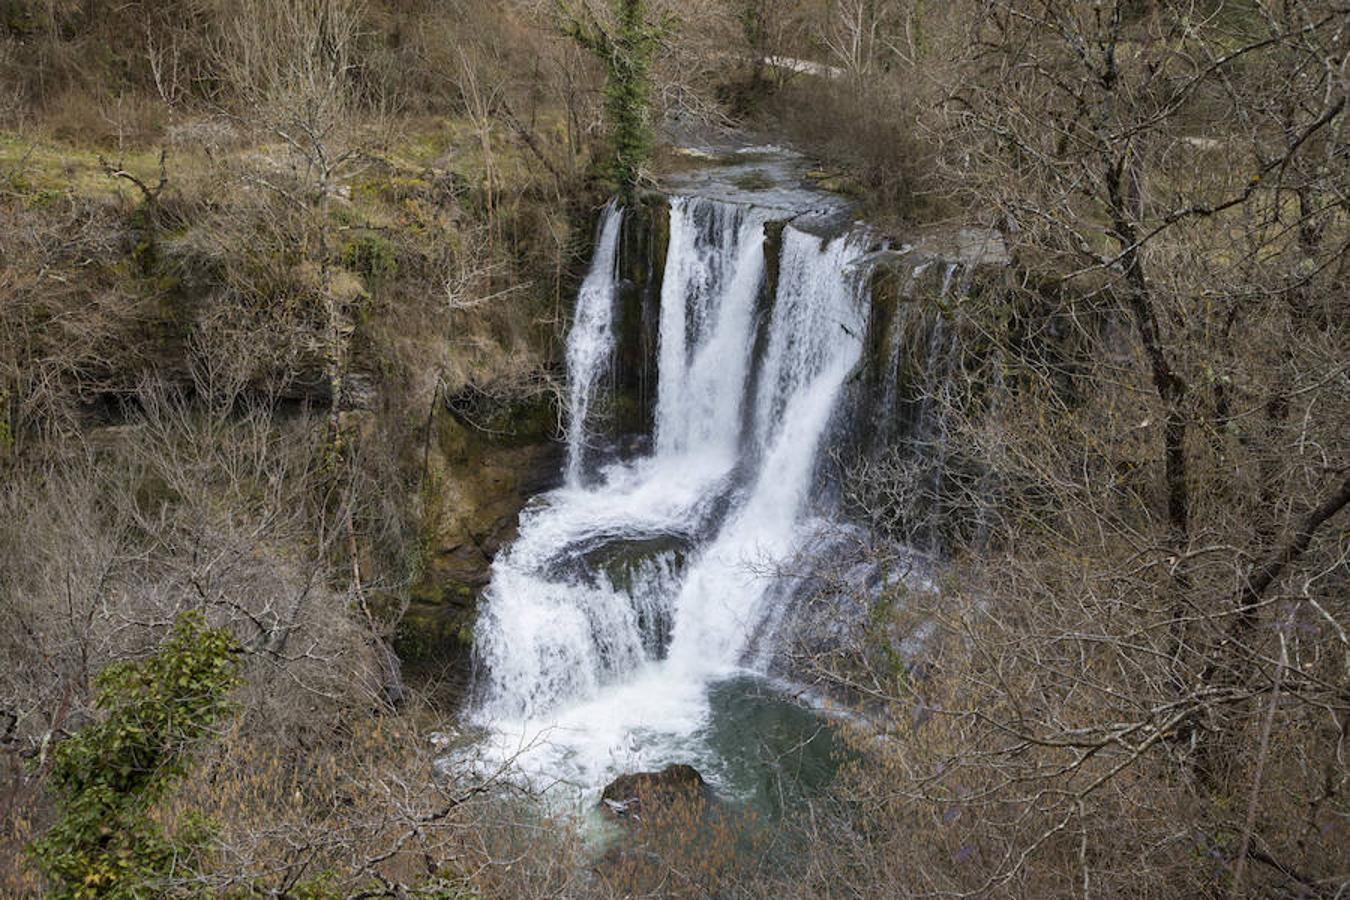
(651, 793)
(642, 263)
(482, 466)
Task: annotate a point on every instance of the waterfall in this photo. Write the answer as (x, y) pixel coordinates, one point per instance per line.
(815, 340)
(714, 269)
(622, 600)
(936, 410)
(591, 340)
(897, 342)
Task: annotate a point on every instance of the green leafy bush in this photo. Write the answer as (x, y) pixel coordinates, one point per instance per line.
(108, 777)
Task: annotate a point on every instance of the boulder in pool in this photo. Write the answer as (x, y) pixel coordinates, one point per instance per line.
(630, 796)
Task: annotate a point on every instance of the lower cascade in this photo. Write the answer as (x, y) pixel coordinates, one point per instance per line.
(632, 593)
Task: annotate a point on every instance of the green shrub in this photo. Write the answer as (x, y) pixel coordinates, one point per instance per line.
(108, 777)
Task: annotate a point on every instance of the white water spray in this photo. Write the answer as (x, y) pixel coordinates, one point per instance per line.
(815, 340)
(591, 340)
(623, 600)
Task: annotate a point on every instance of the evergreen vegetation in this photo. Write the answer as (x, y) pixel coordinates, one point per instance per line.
(108, 777)
(626, 49)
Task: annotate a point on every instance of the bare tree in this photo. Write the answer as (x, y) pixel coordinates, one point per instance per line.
(1156, 633)
(293, 66)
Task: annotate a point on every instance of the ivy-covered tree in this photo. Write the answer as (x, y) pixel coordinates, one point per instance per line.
(108, 777)
(627, 50)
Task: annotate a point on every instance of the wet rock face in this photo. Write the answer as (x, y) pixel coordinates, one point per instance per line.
(481, 470)
(649, 793)
(642, 262)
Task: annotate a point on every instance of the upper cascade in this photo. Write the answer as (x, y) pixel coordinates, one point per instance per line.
(714, 272)
(591, 341)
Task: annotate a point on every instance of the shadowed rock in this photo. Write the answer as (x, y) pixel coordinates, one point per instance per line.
(630, 796)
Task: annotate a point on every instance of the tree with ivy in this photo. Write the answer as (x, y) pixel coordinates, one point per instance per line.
(627, 49)
(108, 777)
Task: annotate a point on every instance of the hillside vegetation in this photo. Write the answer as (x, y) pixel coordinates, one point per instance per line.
(283, 290)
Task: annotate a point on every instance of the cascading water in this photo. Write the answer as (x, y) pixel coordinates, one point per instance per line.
(815, 340)
(622, 601)
(714, 269)
(591, 341)
(897, 342)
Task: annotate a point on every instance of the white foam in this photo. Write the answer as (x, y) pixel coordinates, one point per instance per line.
(570, 684)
